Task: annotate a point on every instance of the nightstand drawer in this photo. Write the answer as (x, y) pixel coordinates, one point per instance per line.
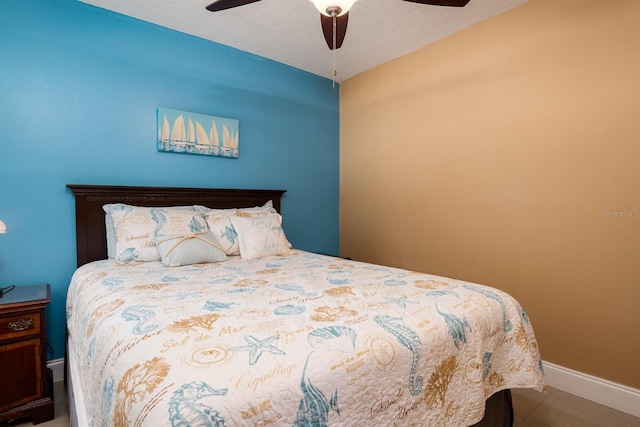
(19, 325)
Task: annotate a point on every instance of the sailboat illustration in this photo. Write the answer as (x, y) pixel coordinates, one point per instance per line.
(201, 135)
(187, 134)
(178, 132)
(229, 142)
(213, 135)
(164, 134)
(191, 135)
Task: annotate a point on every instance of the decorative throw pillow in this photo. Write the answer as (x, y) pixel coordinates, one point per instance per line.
(136, 227)
(260, 236)
(172, 221)
(220, 224)
(190, 248)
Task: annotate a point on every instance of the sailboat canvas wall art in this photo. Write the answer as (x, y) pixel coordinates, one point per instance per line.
(193, 133)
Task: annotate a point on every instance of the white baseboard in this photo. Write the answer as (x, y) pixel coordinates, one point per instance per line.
(57, 366)
(617, 396)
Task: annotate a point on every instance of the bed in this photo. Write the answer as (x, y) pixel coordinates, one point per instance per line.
(277, 335)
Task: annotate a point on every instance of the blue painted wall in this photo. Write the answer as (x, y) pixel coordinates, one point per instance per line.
(79, 88)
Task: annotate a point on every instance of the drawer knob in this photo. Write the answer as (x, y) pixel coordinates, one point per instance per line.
(20, 324)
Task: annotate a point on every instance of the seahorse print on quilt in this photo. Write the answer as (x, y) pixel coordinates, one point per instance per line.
(187, 410)
(142, 315)
(314, 407)
(490, 294)
(410, 340)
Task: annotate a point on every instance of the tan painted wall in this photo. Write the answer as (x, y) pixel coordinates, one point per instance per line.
(509, 154)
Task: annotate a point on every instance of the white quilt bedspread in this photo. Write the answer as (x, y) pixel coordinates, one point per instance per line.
(301, 340)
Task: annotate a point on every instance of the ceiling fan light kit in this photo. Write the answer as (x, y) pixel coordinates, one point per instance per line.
(333, 7)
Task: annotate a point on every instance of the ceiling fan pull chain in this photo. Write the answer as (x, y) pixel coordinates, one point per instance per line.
(335, 17)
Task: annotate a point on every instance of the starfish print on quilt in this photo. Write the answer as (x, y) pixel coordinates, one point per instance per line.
(256, 347)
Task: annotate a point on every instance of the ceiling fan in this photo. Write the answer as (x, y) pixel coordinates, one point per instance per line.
(334, 14)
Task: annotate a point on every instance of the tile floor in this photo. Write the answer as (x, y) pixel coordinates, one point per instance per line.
(554, 408)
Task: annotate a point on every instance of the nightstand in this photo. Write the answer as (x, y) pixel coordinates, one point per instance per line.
(25, 382)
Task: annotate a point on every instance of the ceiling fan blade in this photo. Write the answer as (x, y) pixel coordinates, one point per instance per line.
(454, 3)
(227, 4)
(341, 29)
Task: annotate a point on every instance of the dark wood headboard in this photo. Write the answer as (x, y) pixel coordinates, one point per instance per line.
(91, 240)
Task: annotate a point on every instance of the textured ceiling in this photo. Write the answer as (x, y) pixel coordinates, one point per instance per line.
(289, 31)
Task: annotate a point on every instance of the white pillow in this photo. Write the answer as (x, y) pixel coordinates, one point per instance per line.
(260, 236)
(191, 248)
